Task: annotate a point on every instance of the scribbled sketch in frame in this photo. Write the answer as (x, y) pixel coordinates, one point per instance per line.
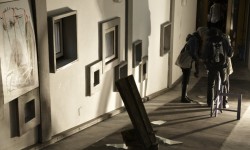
(19, 72)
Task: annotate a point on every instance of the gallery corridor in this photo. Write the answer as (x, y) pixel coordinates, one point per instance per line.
(187, 123)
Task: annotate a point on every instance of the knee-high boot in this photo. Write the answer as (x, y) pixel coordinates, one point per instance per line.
(184, 94)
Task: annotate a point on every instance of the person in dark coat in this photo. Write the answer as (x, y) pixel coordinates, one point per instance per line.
(191, 52)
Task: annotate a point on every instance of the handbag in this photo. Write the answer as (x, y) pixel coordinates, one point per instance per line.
(184, 60)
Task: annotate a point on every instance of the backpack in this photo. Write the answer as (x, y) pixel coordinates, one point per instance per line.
(216, 52)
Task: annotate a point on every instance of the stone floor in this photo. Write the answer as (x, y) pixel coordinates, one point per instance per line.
(190, 124)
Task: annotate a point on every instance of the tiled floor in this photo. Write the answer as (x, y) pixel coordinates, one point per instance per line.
(188, 123)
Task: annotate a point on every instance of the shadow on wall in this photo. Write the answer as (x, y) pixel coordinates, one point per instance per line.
(107, 9)
(142, 31)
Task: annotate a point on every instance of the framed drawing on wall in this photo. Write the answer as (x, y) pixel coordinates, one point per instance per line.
(165, 38)
(109, 34)
(18, 55)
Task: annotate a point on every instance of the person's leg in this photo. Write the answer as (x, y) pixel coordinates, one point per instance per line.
(225, 83)
(185, 80)
(210, 86)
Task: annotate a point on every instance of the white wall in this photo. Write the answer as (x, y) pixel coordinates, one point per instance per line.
(68, 86)
(158, 66)
(184, 23)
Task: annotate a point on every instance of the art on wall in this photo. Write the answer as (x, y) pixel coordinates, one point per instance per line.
(165, 38)
(144, 69)
(121, 71)
(137, 53)
(18, 55)
(62, 26)
(93, 77)
(25, 113)
(109, 34)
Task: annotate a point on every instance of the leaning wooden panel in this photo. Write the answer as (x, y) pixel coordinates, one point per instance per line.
(136, 110)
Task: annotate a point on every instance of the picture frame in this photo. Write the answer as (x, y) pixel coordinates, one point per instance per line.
(25, 113)
(62, 26)
(143, 69)
(18, 55)
(165, 38)
(93, 78)
(121, 71)
(109, 35)
(137, 53)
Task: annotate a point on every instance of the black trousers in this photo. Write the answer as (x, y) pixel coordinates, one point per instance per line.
(185, 80)
(212, 75)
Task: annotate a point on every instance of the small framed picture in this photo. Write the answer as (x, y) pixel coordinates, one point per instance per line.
(94, 77)
(121, 71)
(137, 53)
(143, 69)
(165, 38)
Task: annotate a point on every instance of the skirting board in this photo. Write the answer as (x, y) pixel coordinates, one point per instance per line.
(77, 129)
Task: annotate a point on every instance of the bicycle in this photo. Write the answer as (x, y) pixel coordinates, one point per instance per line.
(221, 94)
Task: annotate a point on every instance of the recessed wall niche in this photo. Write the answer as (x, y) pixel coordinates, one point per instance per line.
(62, 26)
(109, 33)
(24, 113)
(137, 52)
(93, 77)
(121, 71)
(143, 69)
(165, 38)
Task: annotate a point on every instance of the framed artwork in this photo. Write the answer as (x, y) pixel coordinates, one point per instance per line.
(18, 54)
(25, 113)
(121, 71)
(62, 38)
(143, 69)
(93, 77)
(137, 53)
(109, 43)
(130, 95)
(165, 38)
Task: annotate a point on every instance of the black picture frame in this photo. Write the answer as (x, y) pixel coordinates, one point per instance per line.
(137, 53)
(165, 38)
(62, 30)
